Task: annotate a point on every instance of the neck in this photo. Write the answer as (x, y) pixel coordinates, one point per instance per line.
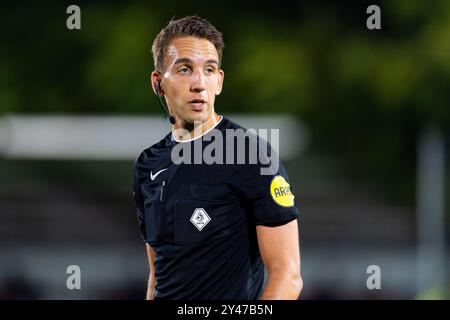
(191, 131)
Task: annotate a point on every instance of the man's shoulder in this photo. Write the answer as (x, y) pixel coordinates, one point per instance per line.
(256, 143)
(154, 151)
(227, 123)
(235, 130)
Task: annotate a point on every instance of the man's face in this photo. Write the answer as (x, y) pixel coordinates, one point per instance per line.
(191, 79)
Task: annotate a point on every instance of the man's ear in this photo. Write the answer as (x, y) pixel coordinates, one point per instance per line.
(220, 84)
(154, 78)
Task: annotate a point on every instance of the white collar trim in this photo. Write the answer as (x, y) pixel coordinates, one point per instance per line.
(181, 141)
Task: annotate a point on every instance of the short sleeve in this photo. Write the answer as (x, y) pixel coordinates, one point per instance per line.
(139, 204)
(268, 193)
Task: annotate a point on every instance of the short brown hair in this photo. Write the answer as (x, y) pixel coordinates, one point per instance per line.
(187, 26)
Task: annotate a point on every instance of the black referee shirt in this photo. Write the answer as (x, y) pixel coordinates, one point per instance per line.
(201, 219)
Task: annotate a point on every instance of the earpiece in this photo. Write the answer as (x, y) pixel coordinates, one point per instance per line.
(158, 87)
(163, 106)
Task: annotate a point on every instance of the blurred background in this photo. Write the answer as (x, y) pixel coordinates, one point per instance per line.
(364, 119)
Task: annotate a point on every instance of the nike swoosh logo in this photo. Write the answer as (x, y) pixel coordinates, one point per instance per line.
(156, 174)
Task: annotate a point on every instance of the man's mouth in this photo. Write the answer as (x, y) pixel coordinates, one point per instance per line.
(197, 104)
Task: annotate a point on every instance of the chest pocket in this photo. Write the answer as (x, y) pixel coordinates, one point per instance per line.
(206, 213)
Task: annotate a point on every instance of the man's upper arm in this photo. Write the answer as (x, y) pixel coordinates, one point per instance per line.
(139, 202)
(151, 278)
(279, 247)
(151, 257)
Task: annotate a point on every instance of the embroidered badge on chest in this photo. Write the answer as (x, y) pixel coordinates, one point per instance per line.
(200, 218)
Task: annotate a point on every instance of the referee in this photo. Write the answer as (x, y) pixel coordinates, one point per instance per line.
(210, 228)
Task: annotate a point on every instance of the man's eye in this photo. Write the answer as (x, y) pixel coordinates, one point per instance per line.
(183, 70)
(210, 70)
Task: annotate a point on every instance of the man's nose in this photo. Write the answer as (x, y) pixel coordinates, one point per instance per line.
(198, 82)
